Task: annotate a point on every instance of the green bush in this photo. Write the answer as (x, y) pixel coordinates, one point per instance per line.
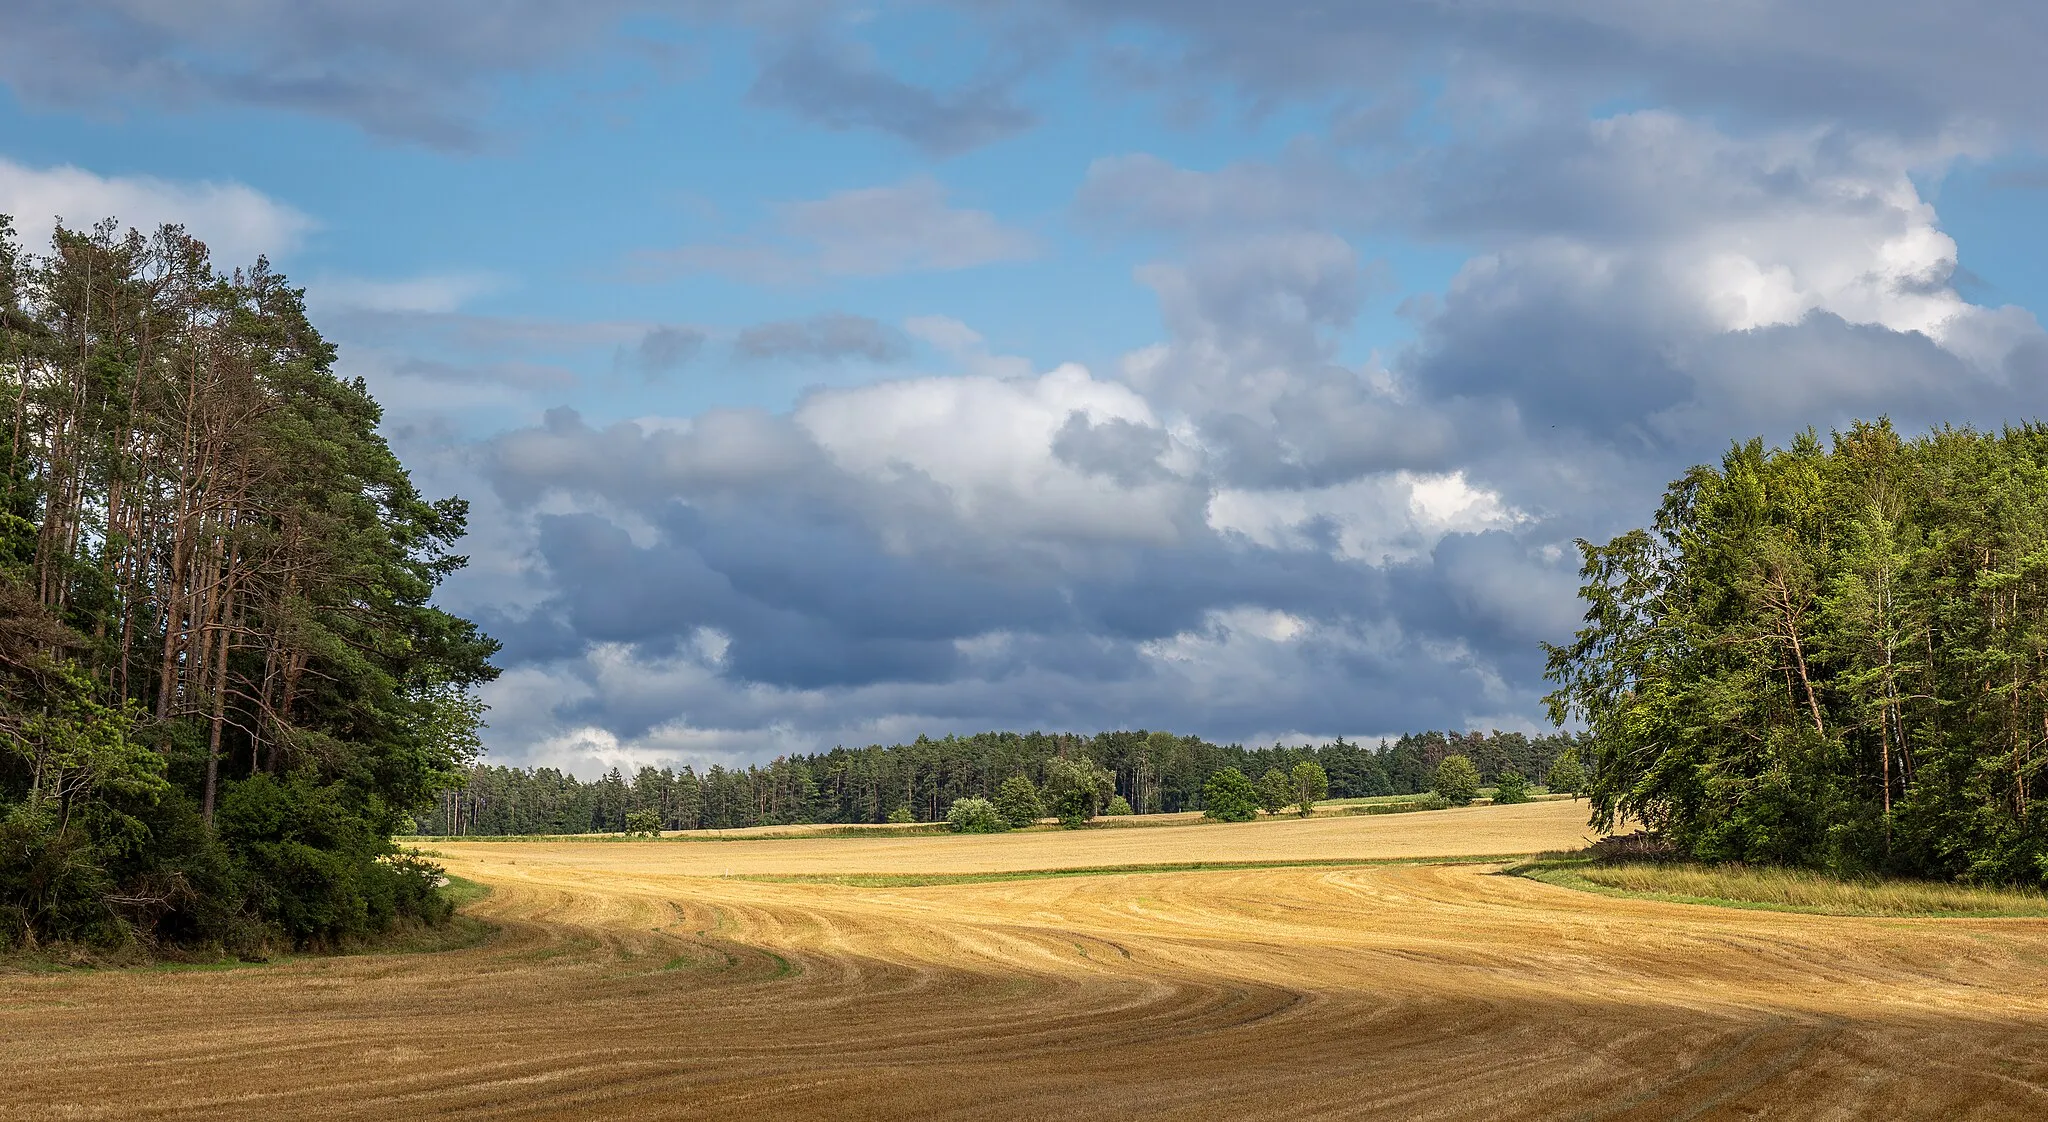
(52, 881)
(1118, 805)
(975, 815)
(902, 816)
(1567, 775)
(317, 870)
(1434, 801)
(1017, 801)
(1076, 789)
(1308, 783)
(1229, 797)
(1512, 788)
(643, 823)
(1456, 781)
(1275, 791)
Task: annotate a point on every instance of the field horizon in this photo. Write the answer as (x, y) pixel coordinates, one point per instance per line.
(658, 980)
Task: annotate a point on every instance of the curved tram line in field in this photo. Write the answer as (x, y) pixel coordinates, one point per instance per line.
(634, 981)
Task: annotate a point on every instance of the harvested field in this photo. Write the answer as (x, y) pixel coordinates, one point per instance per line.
(631, 980)
(1523, 828)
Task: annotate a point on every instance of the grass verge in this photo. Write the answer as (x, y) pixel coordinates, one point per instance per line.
(459, 932)
(1780, 890)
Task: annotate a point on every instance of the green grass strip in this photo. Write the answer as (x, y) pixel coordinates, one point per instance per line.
(1798, 891)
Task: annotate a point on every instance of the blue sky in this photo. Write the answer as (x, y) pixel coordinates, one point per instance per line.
(829, 374)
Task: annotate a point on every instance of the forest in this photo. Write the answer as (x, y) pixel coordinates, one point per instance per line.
(222, 680)
(1832, 654)
(1153, 772)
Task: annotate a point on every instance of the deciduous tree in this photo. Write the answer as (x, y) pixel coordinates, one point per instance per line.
(1456, 781)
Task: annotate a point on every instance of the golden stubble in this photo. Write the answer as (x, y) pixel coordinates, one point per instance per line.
(650, 980)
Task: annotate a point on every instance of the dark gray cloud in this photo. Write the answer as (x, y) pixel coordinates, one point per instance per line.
(840, 86)
(745, 527)
(1899, 64)
(529, 376)
(415, 72)
(663, 351)
(1126, 452)
(823, 338)
(424, 72)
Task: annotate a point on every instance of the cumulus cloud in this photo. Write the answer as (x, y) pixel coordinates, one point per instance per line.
(1245, 525)
(1237, 529)
(237, 222)
(867, 232)
(1673, 286)
(962, 550)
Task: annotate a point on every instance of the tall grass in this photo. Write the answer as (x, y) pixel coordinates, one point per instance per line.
(1793, 889)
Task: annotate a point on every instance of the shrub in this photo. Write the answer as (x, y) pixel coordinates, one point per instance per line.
(1017, 801)
(1456, 781)
(1308, 782)
(1275, 791)
(643, 823)
(1118, 805)
(1434, 801)
(1566, 775)
(1229, 797)
(317, 870)
(975, 815)
(1512, 788)
(902, 815)
(1076, 789)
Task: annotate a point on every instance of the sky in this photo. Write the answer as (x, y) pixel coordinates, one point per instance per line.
(830, 374)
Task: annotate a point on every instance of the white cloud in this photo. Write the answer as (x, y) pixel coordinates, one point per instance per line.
(867, 232)
(428, 293)
(988, 443)
(238, 223)
(1387, 517)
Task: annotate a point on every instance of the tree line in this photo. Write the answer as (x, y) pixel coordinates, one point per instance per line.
(1151, 771)
(1831, 654)
(222, 679)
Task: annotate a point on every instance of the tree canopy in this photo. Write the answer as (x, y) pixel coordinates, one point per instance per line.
(1076, 788)
(1307, 784)
(1830, 654)
(1230, 797)
(1155, 772)
(975, 815)
(1513, 787)
(1456, 781)
(222, 678)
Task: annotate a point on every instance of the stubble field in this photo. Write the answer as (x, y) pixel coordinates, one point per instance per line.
(660, 980)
